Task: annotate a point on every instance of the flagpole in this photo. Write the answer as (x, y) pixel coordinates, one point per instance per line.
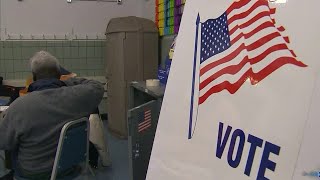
(193, 76)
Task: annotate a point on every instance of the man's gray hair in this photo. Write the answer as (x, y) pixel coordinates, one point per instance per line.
(43, 59)
(44, 65)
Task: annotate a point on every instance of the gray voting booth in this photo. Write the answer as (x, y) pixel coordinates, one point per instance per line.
(144, 109)
(131, 55)
(133, 108)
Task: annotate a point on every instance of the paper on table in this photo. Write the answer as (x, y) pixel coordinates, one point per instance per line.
(3, 108)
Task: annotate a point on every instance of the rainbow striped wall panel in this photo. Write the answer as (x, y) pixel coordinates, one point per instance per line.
(168, 16)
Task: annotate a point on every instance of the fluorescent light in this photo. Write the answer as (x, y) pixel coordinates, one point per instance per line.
(278, 1)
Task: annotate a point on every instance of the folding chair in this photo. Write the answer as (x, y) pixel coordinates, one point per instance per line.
(73, 147)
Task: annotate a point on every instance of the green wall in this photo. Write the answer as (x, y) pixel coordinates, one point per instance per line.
(86, 58)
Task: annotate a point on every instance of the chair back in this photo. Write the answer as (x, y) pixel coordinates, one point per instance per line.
(73, 146)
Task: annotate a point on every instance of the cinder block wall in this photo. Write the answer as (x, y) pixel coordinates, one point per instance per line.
(86, 58)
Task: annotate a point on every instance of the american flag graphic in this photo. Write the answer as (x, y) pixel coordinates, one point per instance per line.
(145, 121)
(244, 43)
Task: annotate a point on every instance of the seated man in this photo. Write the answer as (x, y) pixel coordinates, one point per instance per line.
(32, 124)
(98, 144)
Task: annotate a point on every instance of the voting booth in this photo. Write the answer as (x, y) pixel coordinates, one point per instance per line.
(131, 55)
(243, 94)
(143, 114)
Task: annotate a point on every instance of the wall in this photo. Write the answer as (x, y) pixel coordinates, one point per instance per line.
(147, 9)
(86, 58)
(57, 17)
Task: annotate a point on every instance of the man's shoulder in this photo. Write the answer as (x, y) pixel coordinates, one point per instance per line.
(40, 98)
(26, 100)
(19, 103)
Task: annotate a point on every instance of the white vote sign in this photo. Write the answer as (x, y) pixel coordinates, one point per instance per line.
(242, 95)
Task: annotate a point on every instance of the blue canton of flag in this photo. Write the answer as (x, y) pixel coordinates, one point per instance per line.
(214, 37)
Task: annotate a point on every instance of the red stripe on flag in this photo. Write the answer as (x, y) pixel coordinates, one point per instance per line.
(242, 47)
(254, 77)
(248, 12)
(237, 5)
(286, 38)
(233, 69)
(144, 123)
(251, 21)
(145, 126)
(277, 47)
(233, 29)
(281, 28)
(228, 58)
(273, 10)
(293, 54)
(255, 31)
(263, 40)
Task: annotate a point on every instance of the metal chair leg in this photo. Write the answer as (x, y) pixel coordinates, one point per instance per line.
(91, 170)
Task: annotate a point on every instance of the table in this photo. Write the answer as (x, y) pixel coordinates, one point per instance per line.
(3, 108)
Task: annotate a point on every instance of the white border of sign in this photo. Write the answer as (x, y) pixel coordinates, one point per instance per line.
(280, 110)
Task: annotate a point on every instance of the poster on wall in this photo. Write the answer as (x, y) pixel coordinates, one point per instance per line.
(242, 94)
(163, 72)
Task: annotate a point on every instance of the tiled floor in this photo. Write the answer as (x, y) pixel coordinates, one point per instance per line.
(119, 169)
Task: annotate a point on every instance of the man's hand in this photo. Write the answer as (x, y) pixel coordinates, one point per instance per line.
(66, 77)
